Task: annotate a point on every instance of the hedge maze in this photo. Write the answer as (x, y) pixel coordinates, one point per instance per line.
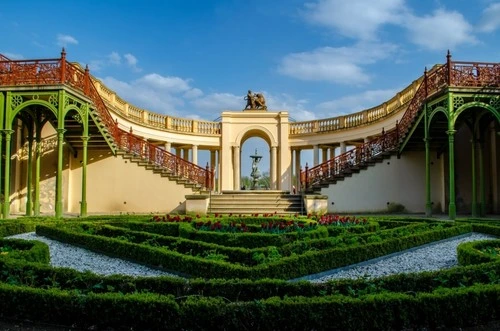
(235, 272)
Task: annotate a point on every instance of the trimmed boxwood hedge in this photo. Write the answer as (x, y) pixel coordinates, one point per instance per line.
(457, 297)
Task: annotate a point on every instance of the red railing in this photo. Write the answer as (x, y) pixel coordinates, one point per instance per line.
(457, 74)
(60, 71)
(163, 159)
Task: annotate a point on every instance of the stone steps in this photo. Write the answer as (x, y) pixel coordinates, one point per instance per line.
(255, 202)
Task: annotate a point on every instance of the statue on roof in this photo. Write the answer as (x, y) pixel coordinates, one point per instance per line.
(255, 101)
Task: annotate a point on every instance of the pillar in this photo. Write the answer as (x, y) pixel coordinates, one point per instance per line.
(6, 204)
(428, 202)
(452, 208)
(297, 170)
(324, 154)
(29, 181)
(168, 147)
(494, 173)
(342, 147)
(38, 157)
(60, 154)
(482, 181)
(315, 155)
(194, 152)
(473, 176)
(83, 203)
(274, 166)
(236, 167)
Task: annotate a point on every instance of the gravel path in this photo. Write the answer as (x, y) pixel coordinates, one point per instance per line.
(69, 256)
(429, 257)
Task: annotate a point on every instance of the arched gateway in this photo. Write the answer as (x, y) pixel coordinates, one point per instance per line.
(237, 127)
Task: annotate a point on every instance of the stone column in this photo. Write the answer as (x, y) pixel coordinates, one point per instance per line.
(236, 167)
(315, 155)
(194, 151)
(342, 147)
(274, 166)
(324, 154)
(297, 169)
(168, 147)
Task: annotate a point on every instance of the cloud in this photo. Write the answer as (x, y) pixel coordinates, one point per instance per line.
(297, 108)
(356, 102)
(132, 62)
(63, 40)
(217, 102)
(114, 58)
(490, 20)
(154, 92)
(342, 65)
(440, 31)
(358, 19)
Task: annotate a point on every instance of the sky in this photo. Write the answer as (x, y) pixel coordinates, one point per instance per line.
(197, 58)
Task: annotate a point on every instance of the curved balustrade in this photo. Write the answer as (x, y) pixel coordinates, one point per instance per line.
(395, 104)
(59, 71)
(457, 74)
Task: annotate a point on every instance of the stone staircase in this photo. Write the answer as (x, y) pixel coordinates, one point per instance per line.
(256, 202)
(133, 158)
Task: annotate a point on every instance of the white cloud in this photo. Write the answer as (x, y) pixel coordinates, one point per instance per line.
(114, 58)
(132, 62)
(216, 102)
(440, 31)
(355, 18)
(63, 40)
(193, 93)
(153, 92)
(169, 84)
(356, 102)
(343, 65)
(490, 20)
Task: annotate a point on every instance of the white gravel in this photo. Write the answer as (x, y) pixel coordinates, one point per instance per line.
(69, 256)
(429, 257)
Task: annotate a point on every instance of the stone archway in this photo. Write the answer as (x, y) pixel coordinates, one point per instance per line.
(237, 127)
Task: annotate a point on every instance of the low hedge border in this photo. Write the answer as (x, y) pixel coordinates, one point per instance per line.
(31, 251)
(441, 308)
(290, 267)
(457, 297)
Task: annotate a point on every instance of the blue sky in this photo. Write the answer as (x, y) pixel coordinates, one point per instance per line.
(313, 58)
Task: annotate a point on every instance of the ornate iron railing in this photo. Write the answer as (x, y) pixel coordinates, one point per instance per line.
(457, 74)
(60, 71)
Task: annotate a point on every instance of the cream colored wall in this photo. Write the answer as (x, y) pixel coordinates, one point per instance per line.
(114, 185)
(394, 180)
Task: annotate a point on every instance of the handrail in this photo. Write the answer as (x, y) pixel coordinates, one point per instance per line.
(458, 74)
(60, 71)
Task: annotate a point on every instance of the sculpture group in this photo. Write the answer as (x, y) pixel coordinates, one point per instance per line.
(255, 101)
